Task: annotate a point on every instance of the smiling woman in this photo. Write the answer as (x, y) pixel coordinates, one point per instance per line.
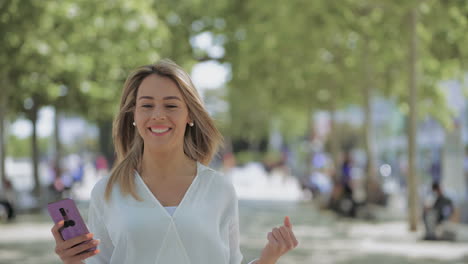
(161, 112)
(161, 203)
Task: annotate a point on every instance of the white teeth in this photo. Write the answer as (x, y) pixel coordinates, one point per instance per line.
(159, 130)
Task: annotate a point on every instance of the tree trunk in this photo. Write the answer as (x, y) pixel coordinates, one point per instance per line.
(310, 138)
(35, 150)
(58, 146)
(105, 140)
(3, 108)
(412, 173)
(334, 135)
(371, 181)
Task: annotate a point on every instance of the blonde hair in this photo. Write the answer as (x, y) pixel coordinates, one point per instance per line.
(201, 141)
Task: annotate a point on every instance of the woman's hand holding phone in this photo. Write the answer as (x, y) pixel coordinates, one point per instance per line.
(74, 250)
(73, 241)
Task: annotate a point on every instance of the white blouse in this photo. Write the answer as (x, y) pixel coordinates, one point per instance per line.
(202, 229)
(171, 209)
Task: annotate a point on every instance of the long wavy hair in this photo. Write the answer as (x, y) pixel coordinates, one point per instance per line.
(201, 141)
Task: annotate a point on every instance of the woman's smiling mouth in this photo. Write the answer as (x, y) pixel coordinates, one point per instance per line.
(159, 131)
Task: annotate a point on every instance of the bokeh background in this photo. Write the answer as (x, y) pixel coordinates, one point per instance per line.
(340, 114)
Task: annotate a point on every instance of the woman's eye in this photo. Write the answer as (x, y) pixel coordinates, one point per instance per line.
(171, 106)
(146, 106)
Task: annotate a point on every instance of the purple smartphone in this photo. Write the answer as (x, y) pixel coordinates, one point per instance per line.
(74, 225)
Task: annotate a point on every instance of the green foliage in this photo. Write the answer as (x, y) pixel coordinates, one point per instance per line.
(244, 157)
(21, 147)
(287, 60)
(298, 56)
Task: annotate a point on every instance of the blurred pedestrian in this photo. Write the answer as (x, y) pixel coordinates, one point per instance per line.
(465, 170)
(346, 177)
(347, 204)
(101, 163)
(75, 169)
(439, 212)
(7, 199)
(436, 168)
(102, 166)
(161, 203)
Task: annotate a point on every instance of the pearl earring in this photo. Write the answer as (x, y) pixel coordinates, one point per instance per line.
(134, 124)
(191, 124)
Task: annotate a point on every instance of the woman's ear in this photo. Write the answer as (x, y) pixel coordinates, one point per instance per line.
(189, 119)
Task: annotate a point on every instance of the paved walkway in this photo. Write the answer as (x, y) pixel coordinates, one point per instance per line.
(324, 238)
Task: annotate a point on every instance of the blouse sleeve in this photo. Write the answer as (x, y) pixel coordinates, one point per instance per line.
(98, 228)
(234, 243)
(234, 234)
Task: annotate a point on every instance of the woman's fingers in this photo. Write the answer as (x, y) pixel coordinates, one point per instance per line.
(293, 237)
(81, 248)
(56, 231)
(70, 248)
(277, 234)
(84, 256)
(286, 237)
(280, 241)
(75, 249)
(272, 239)
(77, 240)
(287, 223)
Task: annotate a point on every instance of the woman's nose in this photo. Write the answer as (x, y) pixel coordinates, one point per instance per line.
(159, 113)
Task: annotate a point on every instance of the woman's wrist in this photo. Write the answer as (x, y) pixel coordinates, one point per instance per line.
(263, 260)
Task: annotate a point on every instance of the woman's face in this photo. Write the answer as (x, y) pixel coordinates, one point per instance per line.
(161, 114)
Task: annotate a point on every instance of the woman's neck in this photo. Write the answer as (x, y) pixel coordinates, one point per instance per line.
(166, 165)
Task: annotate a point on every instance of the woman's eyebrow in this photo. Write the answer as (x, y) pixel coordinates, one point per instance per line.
(165, 98)
(171, 97)
(145, 97)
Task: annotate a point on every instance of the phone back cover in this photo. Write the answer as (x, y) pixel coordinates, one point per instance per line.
(72, 214)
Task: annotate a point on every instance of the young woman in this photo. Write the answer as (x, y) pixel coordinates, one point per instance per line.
(161, 203)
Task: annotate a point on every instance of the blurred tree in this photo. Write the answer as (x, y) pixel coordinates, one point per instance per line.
(77, 68)
(16, 57)
(435, 54)
(89, 32)
(281, 66)
(288, 60)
